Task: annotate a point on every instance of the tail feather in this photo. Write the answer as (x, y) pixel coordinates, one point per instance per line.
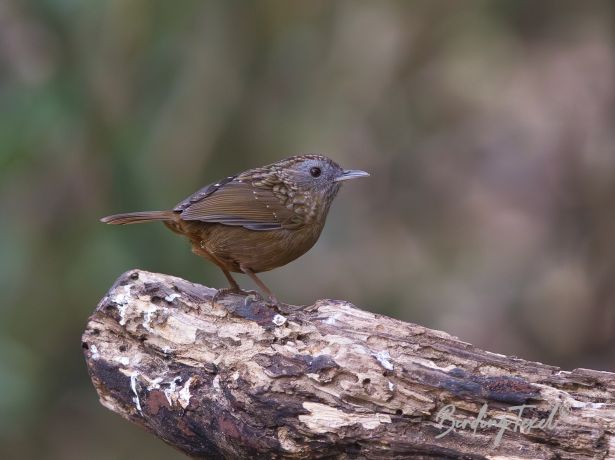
(138, 217)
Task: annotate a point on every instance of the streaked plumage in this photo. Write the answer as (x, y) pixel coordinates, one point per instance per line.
(258, 220)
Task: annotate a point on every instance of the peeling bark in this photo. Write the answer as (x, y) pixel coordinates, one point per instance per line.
(240, 379)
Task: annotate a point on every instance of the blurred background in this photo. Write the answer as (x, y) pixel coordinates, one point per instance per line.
(488, 128)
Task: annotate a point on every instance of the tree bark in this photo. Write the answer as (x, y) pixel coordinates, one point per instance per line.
(237, 378)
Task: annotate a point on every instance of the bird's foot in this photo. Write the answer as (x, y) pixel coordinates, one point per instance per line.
(257, 296)
(221, 293)
(250, 297)
(254, 295)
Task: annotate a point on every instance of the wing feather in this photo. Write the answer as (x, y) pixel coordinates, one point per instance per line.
(239, 203)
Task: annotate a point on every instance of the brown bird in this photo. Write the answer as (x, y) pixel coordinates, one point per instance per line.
(257, 220)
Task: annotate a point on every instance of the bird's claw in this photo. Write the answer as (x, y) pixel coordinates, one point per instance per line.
(250, 296)
(221, 293)
(255, 295)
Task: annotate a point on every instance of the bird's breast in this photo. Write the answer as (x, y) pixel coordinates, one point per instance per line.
(260, 251)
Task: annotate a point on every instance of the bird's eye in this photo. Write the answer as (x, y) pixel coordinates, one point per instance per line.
(315, 172)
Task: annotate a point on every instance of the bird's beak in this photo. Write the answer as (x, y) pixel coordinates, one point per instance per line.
(351, 174)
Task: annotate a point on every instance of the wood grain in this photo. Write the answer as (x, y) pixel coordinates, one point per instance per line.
(240, 379)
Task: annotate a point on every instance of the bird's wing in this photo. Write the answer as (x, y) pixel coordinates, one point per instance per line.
(238, 202)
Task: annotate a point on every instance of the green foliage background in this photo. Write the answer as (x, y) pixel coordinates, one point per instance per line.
(487, 127)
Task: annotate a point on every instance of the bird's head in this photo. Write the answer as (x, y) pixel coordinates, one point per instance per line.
(315, 173)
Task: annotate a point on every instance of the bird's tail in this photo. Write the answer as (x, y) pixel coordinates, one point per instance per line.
(138, 217)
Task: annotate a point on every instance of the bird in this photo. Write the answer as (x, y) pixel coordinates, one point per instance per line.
(257, 220)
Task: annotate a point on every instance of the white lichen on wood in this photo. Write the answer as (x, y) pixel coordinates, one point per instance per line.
(327, 379)
(384, 359)
(323, 418)
(133, 387)
(171, 297)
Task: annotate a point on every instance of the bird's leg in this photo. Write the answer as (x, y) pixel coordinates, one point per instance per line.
(260, 284)
(234, 287)
(200, 250)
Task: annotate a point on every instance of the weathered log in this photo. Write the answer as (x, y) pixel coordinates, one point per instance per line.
(241, 379)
